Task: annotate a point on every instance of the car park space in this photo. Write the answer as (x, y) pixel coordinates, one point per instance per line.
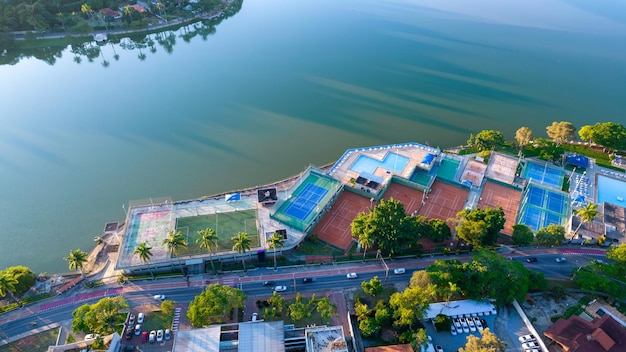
(148, 336)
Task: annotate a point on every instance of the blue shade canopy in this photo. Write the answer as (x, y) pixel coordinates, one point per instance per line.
(578, 160)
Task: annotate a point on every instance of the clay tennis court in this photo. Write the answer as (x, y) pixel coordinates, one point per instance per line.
(444, 201)
(409, 197)
(334, 228)
(495, 195)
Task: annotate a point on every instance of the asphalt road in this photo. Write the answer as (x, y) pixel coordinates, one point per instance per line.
(325, 278)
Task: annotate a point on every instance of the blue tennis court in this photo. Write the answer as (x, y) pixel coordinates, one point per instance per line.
(306, 201)
(543, 207)
(544, 175)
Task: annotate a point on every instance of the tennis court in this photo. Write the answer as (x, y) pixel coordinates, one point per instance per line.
(544, 175)
(543, 207)
(443, 202)
(304, 203)
(495, 195)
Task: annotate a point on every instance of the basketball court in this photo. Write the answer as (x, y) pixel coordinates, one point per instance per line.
(494, 196)
(334, 228)
(443, 202)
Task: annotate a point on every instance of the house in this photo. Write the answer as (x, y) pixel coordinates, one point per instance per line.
(579, 335)
(615, 223)
(108, 12)
(138, 8)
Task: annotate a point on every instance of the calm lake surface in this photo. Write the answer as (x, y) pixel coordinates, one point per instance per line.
(281, 85)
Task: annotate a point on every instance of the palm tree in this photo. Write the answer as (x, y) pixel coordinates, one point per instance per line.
(174, 242)
(145, 253)
(7, 285)
(242, 244)
(366, 241)
(86, 9)
(586, 214)
(275, 241)
(208, 240)
(76, 260)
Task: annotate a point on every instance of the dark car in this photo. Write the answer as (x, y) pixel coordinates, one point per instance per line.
(129, 348)
(531, 259)
(129, 333)
(484, 323)
(268, 283)
(307, 280)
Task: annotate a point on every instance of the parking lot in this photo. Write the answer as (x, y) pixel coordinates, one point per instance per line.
(151, 322)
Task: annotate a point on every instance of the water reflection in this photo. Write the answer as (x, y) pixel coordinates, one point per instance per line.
(144, 43)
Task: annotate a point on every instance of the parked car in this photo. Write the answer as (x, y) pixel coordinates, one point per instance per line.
(526, 338)
(255, 316)
(140, 318)
(159, 297)
(168, 334)
(91, 336)
(129, 333)
(129, 348)
(399, 271)
(351, 275)
(137, 329)
(560, 260)
(280, 288)
(159, 336)
(438, 348)
(144, 337)
(307, 280)
(268, 283)
(530, 345)
(131, 320)
(531, 259)
(152, 336)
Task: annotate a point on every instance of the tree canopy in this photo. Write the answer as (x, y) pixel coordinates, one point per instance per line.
(102, 317)
(523, 136)
(387, 225)
(480, 227)
(486, 140)
(608, 134)
(24, 276)
(488, 342)
(522, 235)
(214, 304)
(561, 132)
(551, 235)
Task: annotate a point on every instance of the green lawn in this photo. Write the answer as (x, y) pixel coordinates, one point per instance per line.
(226, 225)
(314, 318)
(36, 342)
(157, 320)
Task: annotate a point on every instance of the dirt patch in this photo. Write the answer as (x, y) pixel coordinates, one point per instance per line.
(544, 307)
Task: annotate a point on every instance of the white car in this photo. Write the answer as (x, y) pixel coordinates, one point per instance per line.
(280, 288)
(137, 329)
(255, 316)
(168, 334)
(526, 338)
(152, 336)
(159, 297)
(438, 348)
(560, 260)
(351, 275)
(91, 336)
(140, 318)
(159, 336)
(399, 271)
(530, 345)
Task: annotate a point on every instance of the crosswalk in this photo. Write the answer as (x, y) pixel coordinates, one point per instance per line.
(229, 282)
(176, 320)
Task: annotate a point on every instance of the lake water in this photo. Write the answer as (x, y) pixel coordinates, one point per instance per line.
(281, 85)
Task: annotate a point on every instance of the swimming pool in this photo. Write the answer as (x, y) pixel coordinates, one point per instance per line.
(448, 168)
(544, 175)
(392, 162)
(611, 190)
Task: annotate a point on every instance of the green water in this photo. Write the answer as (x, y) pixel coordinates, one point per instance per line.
(276, 87)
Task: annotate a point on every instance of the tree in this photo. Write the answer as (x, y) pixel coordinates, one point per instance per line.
(24, 276)
(421, 278)
(86, 9)
(522, 235)
(276, 302)
(560, 132)
(143, 251)
(373, 287)
(480, 227)
(586, 133)
(76, 260)
(387, 225)
(275, 241)
(551, 235)
(523, 136)
(383, 313)
(298, 310)
(214, 304)
(326, 308)
(102, 317)
(439, 230)
(369, 327)
(486, 140)
(167, 306)
(488, 342)
(174, 242)
(618, 254)
(242, 245)
(608, 134)
(8, 283)
(586, 214)
(208, 240)
(418, 339)
(409, 305)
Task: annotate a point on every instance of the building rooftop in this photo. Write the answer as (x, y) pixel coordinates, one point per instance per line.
(325, 339)
(579, 335)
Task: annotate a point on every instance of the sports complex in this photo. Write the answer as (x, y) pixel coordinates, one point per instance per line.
(324, 201)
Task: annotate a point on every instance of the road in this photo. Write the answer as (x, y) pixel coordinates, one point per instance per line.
(325, 278)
